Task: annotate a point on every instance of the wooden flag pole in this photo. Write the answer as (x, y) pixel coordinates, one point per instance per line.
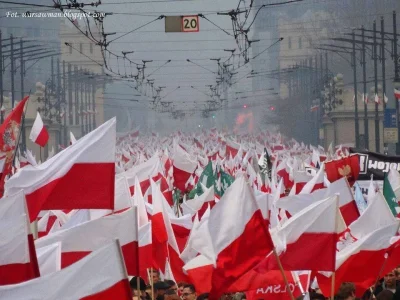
(283, 274)
(152, 284)
(333, 286)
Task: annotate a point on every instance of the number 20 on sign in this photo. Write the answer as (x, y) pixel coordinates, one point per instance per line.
(190, 24)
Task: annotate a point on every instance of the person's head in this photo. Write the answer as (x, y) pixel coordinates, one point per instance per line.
(398, 272)
(160, 288)
(385, 295)
(155, 276)
(189, 292)
(134, 286)
(390, 280)
(172, 285)
(347, 291)
(181, 285)
(170, 295)
(204, 296)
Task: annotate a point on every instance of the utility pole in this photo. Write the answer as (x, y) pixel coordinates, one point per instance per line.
(77, 96)
(65, 104)
(87, 97)
(81, 103)
(58, 106)
(12, 71)
(94, 105)
(356, 120)
(375, 57)
(1, 80)
(383, 61)
(396, 77)
(70, 111)
(22, 71)
(364, 63)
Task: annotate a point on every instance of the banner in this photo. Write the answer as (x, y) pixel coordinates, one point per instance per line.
(376, 164)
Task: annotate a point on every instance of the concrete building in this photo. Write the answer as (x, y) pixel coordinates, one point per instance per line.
(338, 125)
(73, 99)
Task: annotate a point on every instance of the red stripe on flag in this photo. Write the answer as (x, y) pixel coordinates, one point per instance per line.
(121, 291)
(84, 186)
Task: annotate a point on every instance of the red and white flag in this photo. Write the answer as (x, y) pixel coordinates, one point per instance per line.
(319, 225)
(231, 235)
(100, 275)
(81, 176)
(39, 133)
(350, 262)
(184, 167)
(397, 94)
(79, 241)
(18, 260)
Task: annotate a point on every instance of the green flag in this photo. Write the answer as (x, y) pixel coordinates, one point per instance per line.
(390, 196)
(223, 181)
(206, 178)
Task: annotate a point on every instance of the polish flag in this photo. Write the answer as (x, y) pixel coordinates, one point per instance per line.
(348, 207)
(79, 241)
(232, 148)
(199, 271)
(350, 262)
(39, 134)
(198, 238)
(81, 176)
(316, 183)
(173, 252)
(144, 171)
(18, 261)
(397, 94)
(100, 275)
(231, 235)
(49, 259)
(319, 225)
(184, 167)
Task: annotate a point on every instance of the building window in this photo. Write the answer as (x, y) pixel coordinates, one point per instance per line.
(70, 48)
(290, 42)
(310, 42)
(300, 43)
(91, 48)
(81, 47)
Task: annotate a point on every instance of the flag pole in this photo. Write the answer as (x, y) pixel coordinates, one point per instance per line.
(152, 284)
(283, 274)
(333, 286)
(137, 256)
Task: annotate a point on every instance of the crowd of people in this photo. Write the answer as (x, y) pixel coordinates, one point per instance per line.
(386, 288)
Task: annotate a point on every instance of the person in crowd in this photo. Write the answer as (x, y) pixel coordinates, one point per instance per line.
(398, 273)
(172, 285)
(385, 295)
(171, 295)
(204, 296)
(155, 276)
(189, 292)
(141, 291)
(347, 291)
(181, 285)
(160, 288)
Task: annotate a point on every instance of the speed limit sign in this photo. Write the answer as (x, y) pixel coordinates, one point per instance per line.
(190, 24)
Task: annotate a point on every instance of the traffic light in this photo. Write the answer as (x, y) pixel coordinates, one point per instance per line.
(272, 108)
(244, 106)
